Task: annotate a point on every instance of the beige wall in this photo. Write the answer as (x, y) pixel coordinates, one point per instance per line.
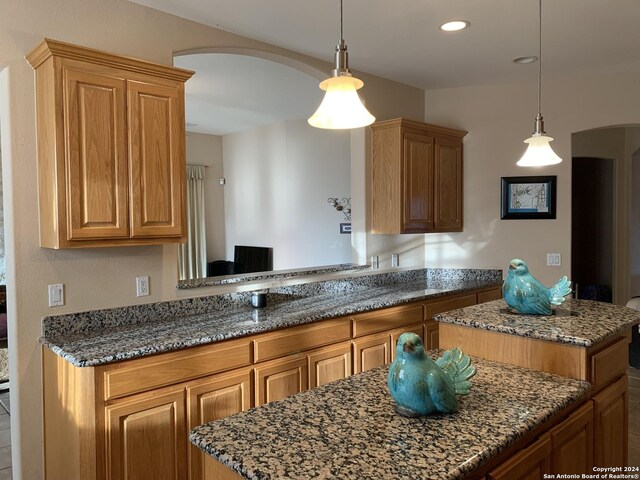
(95, 278)
(499, 118)
(206, 150)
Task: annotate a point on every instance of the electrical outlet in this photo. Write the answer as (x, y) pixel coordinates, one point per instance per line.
(395, 260)
(554, 260)
(56, 295)
(374, 262)
(142, 286)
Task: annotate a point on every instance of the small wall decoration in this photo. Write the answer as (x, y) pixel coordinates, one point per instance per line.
(528, 197)
(345, 228)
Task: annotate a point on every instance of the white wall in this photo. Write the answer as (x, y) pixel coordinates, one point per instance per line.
(279, 178)
(94, 278)
(499, 118)
(206, 150)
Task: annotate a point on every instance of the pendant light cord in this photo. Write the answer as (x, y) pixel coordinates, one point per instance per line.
(341, 32)
(539, 57)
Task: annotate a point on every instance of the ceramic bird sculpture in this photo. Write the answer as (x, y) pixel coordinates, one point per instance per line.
(524, 294)
(421, 386)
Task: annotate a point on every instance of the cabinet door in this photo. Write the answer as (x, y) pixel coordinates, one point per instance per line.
(448, 186)
(610, 425)
(417, 183)
(417, 329)
(329, 364)
(431, 335)
(528, 464)
(210, 399)
(156, 159)
(572, 443)
(95, 155)
(147, 437)
(280, 378)
(371, 351)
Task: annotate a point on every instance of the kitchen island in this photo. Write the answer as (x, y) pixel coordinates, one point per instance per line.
(349, 429)
(582, 339)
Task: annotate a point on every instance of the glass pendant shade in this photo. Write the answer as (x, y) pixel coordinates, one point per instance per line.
(341, 107)
(539, 153)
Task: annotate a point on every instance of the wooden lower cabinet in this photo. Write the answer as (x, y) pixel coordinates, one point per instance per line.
(431, 335)
(209, 399)
(528, 464)
(376, 350)
(146, 436)
(277, 379)
(611, 425)
(329, 364)
(572, 443)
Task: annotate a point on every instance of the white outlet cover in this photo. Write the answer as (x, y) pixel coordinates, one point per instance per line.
(554, 259)
(56, 295)
(142, 286)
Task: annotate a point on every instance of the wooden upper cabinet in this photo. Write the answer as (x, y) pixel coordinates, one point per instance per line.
(416, 177)
(111, 148)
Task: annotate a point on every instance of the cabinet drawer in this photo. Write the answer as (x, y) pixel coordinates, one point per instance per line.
(298, 339)
(386, 319)
(610, 363)
(433, 308)
(143, 374)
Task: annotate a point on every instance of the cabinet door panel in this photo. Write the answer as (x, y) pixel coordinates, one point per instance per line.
(448, 186)
(96, 155)
(157, 159)
(572, 443)
(371, 352)
(611, 425)
(210, 399)
(529, 464)
(278, 379)
(147, 437)
(417, 180)
(329, 364)
(431, 335)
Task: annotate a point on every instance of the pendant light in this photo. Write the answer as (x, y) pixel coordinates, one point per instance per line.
(539, 153)
(341, 107)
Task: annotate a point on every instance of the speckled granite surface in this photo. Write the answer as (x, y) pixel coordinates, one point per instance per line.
(349, 429)
(250, 277)
(577, 322)
(95, 338)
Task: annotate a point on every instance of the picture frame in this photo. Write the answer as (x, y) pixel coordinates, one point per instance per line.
(528, 198)
(345, 228)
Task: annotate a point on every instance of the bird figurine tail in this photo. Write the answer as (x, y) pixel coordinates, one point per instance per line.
(560, 290)
(458, 368)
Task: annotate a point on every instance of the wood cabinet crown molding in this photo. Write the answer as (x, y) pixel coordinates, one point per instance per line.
(405, 122)
(49, 47)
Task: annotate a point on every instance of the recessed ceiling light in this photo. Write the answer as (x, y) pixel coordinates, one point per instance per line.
(454, 25)
(522, 60)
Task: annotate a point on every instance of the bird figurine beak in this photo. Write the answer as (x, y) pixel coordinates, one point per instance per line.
(408, 347)
(512, 266)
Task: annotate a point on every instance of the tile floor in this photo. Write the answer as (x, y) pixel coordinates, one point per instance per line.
(634, 426)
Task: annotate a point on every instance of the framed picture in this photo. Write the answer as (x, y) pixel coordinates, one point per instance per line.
(528, 197)
(345, 228)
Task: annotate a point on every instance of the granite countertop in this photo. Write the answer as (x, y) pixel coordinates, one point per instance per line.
(576, 322)
(349, 429)
(107, 344)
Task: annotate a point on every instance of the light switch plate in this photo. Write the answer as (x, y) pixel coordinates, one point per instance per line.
(395, 260)
(554, 260)
(56, 295)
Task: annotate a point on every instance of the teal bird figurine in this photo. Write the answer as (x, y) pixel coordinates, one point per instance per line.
(524, 294)
(421, 386)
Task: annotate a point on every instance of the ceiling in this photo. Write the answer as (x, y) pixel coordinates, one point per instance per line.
(400, 40)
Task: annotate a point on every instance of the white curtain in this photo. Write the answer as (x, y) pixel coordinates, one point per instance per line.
(192, 256)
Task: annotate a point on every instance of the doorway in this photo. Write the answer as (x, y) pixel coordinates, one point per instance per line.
(592, 228)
